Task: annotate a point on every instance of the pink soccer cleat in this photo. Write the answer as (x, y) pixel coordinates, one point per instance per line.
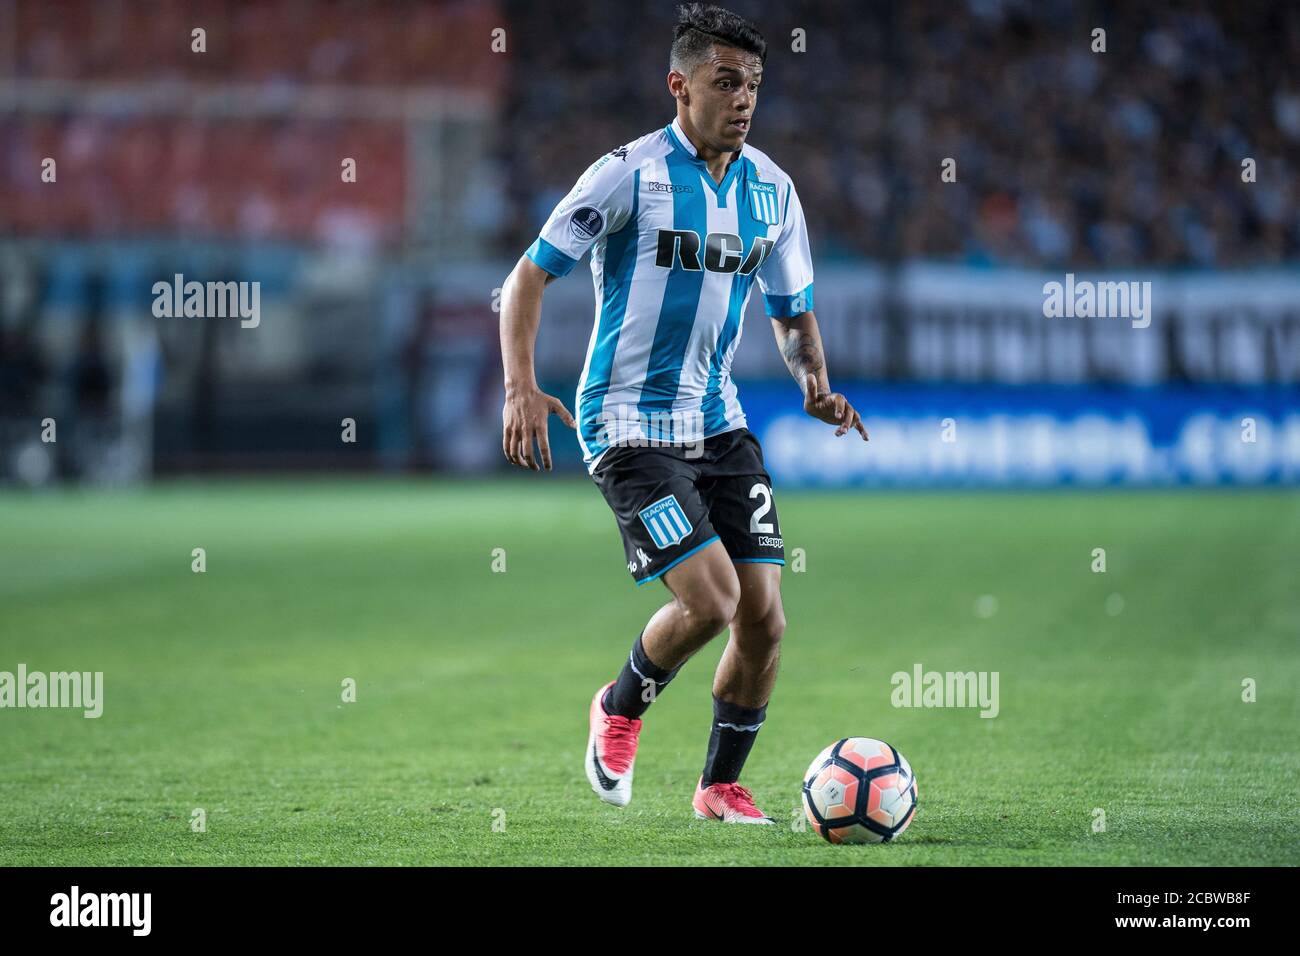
(611, 750)
(730, 803)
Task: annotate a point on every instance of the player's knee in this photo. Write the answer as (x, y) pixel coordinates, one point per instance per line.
(718, 611)
(760, 618)
(762, 632)
(711, 609)
(774, 624)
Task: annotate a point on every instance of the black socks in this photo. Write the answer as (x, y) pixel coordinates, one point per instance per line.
(734, 727)
(639, 682)
(730, 740)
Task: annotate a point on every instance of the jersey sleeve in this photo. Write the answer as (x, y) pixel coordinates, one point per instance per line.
(598, 204)
(786, 278)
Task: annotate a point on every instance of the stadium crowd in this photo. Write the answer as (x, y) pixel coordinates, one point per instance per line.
(1132, 156)
(1063, 155)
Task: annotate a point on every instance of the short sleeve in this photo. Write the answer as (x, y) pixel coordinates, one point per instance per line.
(786, 278)
(598, 204)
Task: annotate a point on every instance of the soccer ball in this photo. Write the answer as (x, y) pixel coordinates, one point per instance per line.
(859, 790)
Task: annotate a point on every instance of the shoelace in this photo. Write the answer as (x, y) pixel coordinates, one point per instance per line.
(620, 742)
(740, 798)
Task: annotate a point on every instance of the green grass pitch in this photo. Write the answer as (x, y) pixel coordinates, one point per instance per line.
(223, 689)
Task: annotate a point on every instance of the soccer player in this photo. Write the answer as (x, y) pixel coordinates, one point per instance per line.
(680, 223)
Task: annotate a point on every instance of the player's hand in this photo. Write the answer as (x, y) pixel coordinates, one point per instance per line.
(524, 421)
(832, 408)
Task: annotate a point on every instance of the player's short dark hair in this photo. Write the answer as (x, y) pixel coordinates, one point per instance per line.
(700, 25)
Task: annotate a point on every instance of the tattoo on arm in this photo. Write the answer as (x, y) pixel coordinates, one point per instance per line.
(802, 355)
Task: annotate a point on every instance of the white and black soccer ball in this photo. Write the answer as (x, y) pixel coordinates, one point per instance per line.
(859, 790)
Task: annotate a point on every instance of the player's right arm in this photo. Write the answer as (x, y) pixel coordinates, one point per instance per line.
(527, 408)
(598, 204)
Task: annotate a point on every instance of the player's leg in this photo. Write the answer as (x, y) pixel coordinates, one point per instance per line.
(665, 524)
(746, 674)
(738, 492)
(666, 533)
(742, 687)
(706, 592)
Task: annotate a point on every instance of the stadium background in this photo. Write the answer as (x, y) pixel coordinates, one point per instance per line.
(380, 294)
(378, 303)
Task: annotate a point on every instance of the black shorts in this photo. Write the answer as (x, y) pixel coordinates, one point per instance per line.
(672, 501)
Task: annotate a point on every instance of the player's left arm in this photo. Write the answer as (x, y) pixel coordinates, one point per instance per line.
(786, 280)
(800, 342)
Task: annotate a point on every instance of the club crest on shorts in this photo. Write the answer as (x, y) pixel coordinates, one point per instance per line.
(762, 202)
(666, 522)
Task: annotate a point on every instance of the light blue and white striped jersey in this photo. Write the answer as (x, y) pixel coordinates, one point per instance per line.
(673, 259)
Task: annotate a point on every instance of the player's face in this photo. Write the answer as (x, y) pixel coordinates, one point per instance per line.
(724, 94)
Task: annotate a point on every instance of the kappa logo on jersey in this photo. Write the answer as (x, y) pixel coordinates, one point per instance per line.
(762, 202)
(585, 223)
(666, 522)
(621, 153)
(654, 187)
(723, 251)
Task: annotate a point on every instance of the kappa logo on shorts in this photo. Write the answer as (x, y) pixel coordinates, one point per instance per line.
(666, 522)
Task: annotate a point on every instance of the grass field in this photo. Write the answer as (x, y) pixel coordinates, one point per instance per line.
(223, 689)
